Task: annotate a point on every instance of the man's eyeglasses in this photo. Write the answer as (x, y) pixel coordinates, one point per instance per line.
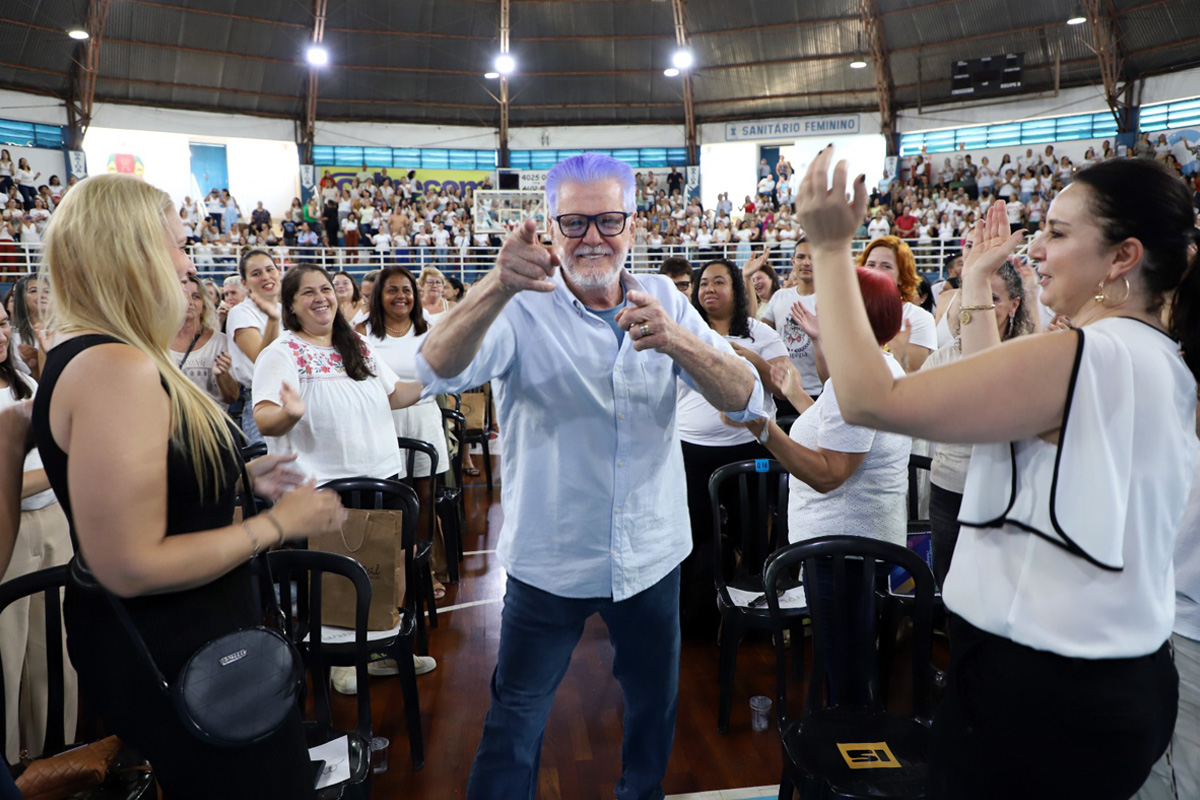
(575, 226)
(683, 286)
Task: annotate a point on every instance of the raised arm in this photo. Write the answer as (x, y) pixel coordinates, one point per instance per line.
(1006, 393)
(522, 265)
(249, 340)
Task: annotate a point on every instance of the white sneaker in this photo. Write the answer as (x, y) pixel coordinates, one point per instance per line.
(344, 679)
(422, 665)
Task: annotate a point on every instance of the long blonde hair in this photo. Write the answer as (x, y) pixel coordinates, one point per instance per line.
(107, 258)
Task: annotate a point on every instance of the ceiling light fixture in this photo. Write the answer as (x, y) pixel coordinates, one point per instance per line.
(505, 64)
(671, 72)
(858, 63)
(491, 76)
(78, 34)
(1077, 16)
(683, 59)
(317, 56)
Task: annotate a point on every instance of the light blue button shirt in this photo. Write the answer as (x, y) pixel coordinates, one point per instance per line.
(594, 496)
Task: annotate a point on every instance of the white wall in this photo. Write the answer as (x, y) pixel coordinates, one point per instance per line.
(606, 137)
(32, 108)
(168, 120)
(258, 170)
(378, 134)
(728, 167)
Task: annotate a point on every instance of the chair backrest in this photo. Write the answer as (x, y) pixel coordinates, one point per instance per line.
(253, 451)
(845, 614)
(916, 464)
(410, 448)
(458, 427)
(306, 569)
(760, 527)
(49, 582)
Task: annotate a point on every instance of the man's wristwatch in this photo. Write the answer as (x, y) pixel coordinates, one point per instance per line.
(964, 313)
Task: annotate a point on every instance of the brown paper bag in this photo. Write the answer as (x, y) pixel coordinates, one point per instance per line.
(474, 408)
(372, 538)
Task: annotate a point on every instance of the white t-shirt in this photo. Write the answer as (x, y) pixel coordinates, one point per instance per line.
(924, 329)
(799, 347)
(347, 428)
(698, 422)
(871, 502)
(432, 317)
(33, 459)
(199, 364)
(878, 228)
(245, 314)
(1116, 486)
(422, 420)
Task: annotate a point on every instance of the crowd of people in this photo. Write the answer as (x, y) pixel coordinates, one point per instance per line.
(1053, 545)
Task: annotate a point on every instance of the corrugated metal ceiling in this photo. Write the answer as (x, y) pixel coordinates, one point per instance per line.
(580, 61)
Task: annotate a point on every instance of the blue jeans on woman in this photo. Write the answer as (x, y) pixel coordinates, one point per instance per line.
(538, 633)
(249, 427)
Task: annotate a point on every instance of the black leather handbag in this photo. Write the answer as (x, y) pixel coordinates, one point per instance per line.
(238, 688)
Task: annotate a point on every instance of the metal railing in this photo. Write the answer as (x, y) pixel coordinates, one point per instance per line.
(467, 265)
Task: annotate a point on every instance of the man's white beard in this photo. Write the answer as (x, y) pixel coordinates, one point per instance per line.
(594, 278)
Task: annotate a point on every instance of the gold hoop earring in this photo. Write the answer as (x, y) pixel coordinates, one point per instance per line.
(1101, 297)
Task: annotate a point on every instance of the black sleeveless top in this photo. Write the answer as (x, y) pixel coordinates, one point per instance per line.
(173, 624)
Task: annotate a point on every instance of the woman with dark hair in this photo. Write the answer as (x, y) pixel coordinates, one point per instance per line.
(709, 442)
(1061, 587)
(348, 297)
(29, 303)
(42, 541)
(396, 329)
(251, 325)
(7, 171)
(765, 282)
(321, 392)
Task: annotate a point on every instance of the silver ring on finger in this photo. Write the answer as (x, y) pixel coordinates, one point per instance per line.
(644, 330)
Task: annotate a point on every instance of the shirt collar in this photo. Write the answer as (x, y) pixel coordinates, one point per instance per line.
(629, 282)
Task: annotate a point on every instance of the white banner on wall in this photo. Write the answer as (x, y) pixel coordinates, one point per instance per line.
(790, 129)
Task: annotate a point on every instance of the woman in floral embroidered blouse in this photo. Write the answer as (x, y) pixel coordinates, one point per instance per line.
(320, 391)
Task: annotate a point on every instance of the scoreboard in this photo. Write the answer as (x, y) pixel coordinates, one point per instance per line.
(987, 77)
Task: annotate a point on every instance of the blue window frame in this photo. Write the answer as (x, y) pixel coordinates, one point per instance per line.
(31, 134)
(1014, 134)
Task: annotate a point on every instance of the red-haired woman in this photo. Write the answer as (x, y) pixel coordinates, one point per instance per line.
(918, 330)
(846, 479)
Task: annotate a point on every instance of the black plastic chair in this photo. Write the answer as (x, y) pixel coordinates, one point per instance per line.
(451, 501)
(130, 776)
(827, 750)
(411, 447)
(481, 436)
(306, 570)
(759, 529)
(253, 451)
(387, 494)
(916, 464)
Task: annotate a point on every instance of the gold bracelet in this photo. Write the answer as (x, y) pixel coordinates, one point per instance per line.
(253, 539)
(964, 312)
(278, 526)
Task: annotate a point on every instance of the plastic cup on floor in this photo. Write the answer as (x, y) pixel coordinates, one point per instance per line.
(379, 753)
(760, 713)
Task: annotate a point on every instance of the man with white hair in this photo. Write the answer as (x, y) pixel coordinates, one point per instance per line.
(585, 361)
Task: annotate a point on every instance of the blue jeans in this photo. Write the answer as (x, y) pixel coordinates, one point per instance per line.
(538, 632)
(249, 427)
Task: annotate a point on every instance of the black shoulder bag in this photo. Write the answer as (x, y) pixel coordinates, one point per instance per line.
(238, 688)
